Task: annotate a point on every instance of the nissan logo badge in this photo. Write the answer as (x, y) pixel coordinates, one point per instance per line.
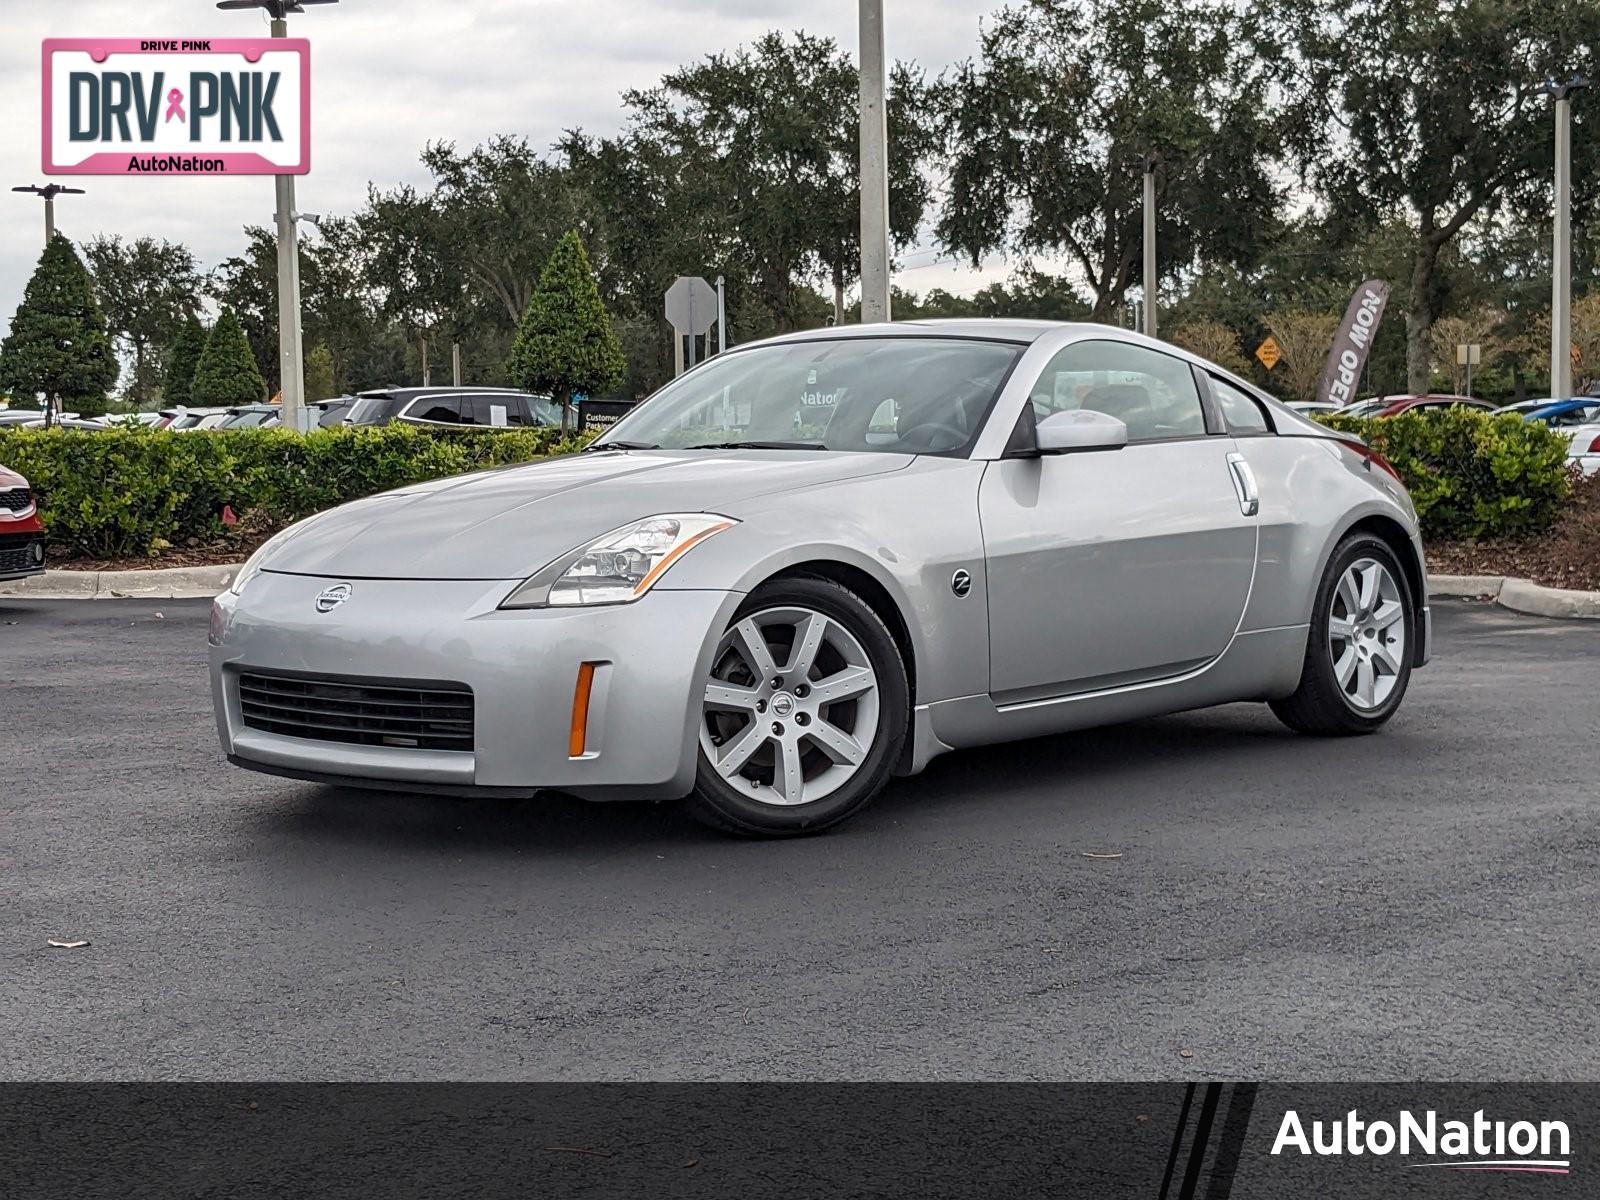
(330, 598)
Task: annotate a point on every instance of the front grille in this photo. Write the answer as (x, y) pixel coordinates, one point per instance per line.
(17, 553)
(414, 716)
(16, 499)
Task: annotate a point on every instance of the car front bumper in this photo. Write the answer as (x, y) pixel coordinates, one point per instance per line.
(21, 549)
(522, 667)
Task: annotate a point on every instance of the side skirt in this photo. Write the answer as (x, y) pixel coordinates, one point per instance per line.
(1261, 665)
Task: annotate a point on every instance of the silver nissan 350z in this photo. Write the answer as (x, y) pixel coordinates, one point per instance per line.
(816, 562)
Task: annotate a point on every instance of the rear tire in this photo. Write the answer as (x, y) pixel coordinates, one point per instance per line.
(1359, 648)
(804, 714)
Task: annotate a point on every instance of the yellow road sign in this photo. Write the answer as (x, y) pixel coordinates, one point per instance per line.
(1268, 353)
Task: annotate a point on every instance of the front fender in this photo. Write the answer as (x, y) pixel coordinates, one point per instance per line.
(909, 531)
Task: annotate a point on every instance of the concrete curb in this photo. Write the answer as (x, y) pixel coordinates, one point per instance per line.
(1519, 595)
(171, 583)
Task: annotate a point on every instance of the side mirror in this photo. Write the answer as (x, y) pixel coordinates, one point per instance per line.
(1080, 429)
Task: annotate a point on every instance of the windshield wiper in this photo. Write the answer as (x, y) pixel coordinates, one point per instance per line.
(594, 447)
(756, 446)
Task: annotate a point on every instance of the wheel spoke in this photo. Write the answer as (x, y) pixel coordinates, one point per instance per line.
(753, 645)
(842, 685)
(1349, 593)
(1383, 653)
(1366, 683)
(836, 743)
(787, 778)
(1345, 665)
(731, 697)
(1388, 613)
(1369, 588)
(738, 752)
(807, 641)
(1342, 628)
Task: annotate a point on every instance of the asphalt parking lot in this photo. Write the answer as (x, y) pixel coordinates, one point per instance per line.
(1420, 904)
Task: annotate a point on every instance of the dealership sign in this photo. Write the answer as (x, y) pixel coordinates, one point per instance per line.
(1353, 343)
(169, 106)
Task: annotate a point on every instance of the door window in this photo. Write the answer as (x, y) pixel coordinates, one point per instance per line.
(441, 410)
(497, 411)
(1153, 394)
(1243, 414)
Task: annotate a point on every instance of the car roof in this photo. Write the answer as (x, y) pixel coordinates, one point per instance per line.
(997, 328)
(407, 392)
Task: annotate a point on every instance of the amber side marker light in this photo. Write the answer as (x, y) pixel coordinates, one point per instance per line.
(577, 740)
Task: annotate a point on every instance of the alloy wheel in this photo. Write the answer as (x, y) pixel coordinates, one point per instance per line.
(1367, 634)
(791, 708)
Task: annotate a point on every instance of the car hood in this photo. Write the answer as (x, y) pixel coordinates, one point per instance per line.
(10, 479)
(507, 523)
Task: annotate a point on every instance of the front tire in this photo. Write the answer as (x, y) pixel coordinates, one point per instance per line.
(1359, 650)
(804, 714)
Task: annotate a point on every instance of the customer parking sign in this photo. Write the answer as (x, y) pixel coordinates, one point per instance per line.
(170, 106)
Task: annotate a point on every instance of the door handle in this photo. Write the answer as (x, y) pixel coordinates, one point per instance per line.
(1244, 485)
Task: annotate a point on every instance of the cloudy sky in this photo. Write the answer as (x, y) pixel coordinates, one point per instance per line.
(391, 75)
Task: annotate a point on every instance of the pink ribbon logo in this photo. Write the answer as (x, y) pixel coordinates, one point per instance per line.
(175, 105)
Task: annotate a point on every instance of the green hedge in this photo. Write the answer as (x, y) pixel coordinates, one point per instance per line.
(1471, 474)
(131, 493)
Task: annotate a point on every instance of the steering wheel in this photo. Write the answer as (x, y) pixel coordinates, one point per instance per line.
(929, 434)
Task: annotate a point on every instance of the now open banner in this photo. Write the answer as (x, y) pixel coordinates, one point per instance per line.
(170, 106)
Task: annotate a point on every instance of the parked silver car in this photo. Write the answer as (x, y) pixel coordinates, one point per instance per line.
(816, 562)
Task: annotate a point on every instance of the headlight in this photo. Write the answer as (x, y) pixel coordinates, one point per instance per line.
(619, 566)
(251, 568)
(253, 564)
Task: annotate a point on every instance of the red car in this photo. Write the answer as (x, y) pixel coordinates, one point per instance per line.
(21, 534)
(1389, 406)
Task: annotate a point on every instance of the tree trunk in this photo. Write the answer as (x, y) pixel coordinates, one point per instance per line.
(838, 295)
(563, 397)
(1420, 317)
(137, 391)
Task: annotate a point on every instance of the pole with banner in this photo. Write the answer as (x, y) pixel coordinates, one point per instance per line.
(1353, 343)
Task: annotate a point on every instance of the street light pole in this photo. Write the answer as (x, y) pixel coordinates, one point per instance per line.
(291, 356)
(1150, 246)
(1561, 250)
(874, 167)
(49, 192)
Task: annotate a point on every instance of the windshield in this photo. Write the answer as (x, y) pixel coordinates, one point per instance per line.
(902, 395)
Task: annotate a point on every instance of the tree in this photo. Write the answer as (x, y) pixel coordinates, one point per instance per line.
(566, 343)
(1585, 340)
(146, 288)
(58, 345)
(1214, 341)
(746, 164)
(1049, 133)
(227, 373)
(1304, 341)
(182, 359)
(246, 285)
(319, 374)
(1481, 327)
(1431, 110)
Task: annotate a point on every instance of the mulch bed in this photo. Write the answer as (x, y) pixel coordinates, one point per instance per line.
(1568, 556)
(196, 552)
